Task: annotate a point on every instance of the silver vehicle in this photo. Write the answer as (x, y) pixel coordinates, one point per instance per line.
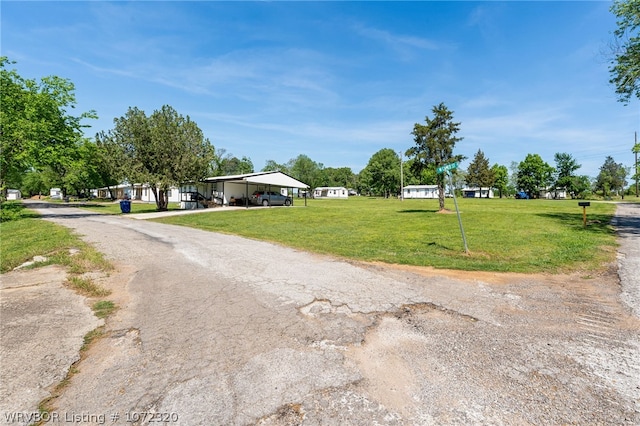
(267, 198)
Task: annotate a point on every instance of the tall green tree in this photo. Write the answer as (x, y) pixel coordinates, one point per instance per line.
(381, 176)
(34, 183)
(83, 170)
(501, 176)
(162, 150)
(565, 176)
(612, 177)
(111, 163)
(272, 165)
(306, 170)
(338, 176)
(231, 165)
(434, 144)
(625, 67)
(479, 173)
(36, 131)
(583, 186)
(413, 176)
(534, 174)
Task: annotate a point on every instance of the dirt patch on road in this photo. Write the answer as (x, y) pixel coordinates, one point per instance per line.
(547, 341)
(495, 277)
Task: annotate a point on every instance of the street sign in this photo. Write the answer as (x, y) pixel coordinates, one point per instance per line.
(447, 167)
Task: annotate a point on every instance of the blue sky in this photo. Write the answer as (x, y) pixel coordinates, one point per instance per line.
(338, 81)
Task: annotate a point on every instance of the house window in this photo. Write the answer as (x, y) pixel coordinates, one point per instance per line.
(169, 193)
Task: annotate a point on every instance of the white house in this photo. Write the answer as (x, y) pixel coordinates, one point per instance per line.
(553, 194)
(330, 192)
(141, 192)
(55, 193)
(14, 194)
(420, 191)
(477, 192)
(217, 190)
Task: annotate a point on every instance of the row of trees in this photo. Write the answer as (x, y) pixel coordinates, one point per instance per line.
(435, 141)
(434, 145)
(625, 71)
(43, 146)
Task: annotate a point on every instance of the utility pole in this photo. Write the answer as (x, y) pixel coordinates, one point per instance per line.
(402, 180)
(636, 149)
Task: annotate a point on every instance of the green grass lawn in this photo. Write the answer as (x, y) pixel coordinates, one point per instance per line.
(24, 235)
(504, 235)
(114, 207)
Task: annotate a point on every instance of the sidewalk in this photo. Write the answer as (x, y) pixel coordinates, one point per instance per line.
(156, 215)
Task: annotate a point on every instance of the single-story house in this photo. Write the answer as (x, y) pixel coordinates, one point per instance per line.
(55, 194)
(553, 194)
(420, 191)
(236, 189)
(330, 192)
(14, 194)
(477, 192)
(218, 190)
(137, 191)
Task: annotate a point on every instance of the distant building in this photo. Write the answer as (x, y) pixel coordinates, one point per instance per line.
(330, 192)
(14, 194)
(420, 191)
(55, 194)
(477, 192)
(554, 194)
(136, 192)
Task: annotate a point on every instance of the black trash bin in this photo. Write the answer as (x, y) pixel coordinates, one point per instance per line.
(125, 206)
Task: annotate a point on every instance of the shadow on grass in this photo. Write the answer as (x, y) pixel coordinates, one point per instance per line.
(440, 246)
(11, 211)
(418, 211)
(90, 205)
(43, 206)
(596, 223)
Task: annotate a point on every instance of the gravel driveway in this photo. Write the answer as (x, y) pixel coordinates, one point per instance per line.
(221, 330)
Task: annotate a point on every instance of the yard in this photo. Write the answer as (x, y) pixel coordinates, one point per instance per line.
(25, 235)
(113, 207)
(503, 235)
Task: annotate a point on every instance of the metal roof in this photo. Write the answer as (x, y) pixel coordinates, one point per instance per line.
(275, 178)
(420, 186)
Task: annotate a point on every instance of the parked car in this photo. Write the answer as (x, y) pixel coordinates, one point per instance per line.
(266, 198)
(521, 195)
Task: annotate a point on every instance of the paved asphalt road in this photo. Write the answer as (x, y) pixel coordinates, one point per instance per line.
(221, 330)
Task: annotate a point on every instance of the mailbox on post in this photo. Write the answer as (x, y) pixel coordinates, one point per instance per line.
(584, 205)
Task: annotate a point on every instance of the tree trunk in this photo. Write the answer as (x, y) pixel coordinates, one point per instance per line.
(160, 196)
(441, 196)
(163, 202)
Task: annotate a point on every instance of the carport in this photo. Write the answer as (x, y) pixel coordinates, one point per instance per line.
(236, 189)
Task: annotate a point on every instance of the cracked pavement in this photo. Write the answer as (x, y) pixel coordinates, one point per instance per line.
(220, 330)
